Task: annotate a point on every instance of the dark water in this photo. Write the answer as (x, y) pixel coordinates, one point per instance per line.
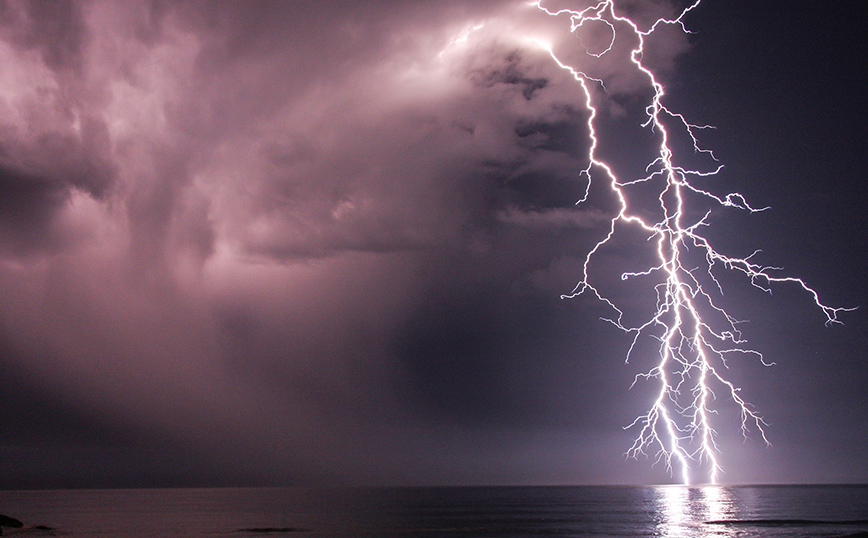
(666, 511)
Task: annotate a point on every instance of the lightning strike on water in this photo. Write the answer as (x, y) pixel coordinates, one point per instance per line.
(695, 334)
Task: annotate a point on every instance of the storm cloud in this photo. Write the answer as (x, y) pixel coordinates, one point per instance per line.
(260, 242)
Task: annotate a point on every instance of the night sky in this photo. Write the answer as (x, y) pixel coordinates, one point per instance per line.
(279, 243)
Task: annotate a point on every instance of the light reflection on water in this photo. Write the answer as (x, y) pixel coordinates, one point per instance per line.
(686, 511)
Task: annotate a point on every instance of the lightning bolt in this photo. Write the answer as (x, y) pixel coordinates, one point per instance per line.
(695, 334)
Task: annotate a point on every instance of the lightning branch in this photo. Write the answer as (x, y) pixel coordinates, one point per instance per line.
(694, 334)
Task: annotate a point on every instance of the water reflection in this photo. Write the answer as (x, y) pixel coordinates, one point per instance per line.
(685, 511)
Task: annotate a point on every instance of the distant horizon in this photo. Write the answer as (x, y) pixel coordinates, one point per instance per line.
(431, 486)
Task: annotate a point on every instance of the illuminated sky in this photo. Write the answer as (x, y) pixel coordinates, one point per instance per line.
(292, 242)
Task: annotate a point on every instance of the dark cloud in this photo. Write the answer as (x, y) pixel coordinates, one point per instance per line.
(39, 172)
(27, 203)
(54, 28)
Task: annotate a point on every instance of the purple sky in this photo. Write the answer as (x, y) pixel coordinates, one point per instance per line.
(304, 242)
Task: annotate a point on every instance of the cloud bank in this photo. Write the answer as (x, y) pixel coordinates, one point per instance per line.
(302, 241)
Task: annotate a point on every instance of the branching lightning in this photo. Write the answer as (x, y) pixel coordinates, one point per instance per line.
(695, 334)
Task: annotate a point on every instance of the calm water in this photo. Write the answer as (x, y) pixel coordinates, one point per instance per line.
(667, 512)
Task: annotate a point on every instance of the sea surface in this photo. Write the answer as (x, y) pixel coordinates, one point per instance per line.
(659, 511)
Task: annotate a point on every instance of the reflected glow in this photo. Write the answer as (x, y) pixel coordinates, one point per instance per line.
(684, 511)
(673, 507)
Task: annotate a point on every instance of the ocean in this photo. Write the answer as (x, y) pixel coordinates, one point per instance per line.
(447, 512)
